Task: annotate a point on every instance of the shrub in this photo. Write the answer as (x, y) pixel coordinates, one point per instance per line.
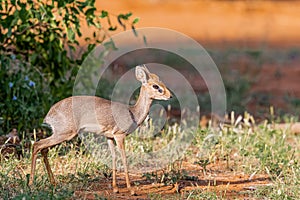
(40, 54)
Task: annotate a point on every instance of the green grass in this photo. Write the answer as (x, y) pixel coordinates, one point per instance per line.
(252, 150)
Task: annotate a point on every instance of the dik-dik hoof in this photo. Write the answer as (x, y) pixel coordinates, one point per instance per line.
(132, 192)
(30, 180)
(30, 183)
(116, 190)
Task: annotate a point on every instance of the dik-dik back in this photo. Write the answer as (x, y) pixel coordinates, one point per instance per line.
(89, 114)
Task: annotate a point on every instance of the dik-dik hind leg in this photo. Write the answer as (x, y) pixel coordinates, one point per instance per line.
(45, 144)
(121, 145)
(113, 155)
(44, 153)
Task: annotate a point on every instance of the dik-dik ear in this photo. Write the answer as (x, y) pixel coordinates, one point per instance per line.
(141, 74)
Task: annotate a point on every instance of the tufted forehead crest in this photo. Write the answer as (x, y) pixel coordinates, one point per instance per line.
(153, 77)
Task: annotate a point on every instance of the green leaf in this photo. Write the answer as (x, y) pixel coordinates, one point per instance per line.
(61, 3)
(103, 14)
(79, 32)
(13, 2)
(112, 28)
(23, 14)
(82, 4)
(70, 1)
(128, 15)
(9, 32)
(6, 5)
(121, 16)
(125, 16)
(91, 47)
(7, 22)
(75, 10)
(51, 37)
(71, 34)
(136, 20)
(90, 12)
(22, 5)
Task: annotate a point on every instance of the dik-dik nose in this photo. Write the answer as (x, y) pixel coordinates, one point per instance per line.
(170, 94)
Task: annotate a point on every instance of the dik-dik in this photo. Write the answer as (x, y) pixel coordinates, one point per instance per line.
(114, 120)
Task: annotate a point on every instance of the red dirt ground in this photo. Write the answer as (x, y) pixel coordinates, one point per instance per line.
(218, 179)
(218, 25)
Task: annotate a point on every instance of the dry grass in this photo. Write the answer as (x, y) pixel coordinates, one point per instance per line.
(236, 162)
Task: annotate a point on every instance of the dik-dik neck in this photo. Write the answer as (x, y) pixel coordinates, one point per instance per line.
(141, 108)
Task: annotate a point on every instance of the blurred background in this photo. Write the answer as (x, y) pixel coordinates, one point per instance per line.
(255, 44)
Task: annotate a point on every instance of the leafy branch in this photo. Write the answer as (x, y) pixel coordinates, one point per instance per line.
(41, 42)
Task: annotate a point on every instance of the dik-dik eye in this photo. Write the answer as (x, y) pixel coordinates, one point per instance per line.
(157, 88)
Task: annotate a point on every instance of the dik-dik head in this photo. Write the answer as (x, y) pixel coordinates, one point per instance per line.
(151, 83)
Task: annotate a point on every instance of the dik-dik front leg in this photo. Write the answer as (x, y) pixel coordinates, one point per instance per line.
(120, 139)
(113, 155)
